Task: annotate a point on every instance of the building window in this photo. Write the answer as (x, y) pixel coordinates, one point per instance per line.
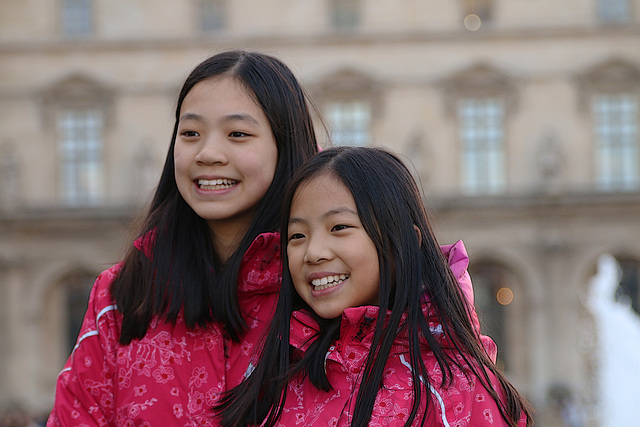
(80, 149)
(614, 11)
(493, 296)
(213, 14)
(481, 122)
(345, 14)
(477, 12)
(76, 17)
(77, 289)
(616, 120)
(628, 290)
(350, 122)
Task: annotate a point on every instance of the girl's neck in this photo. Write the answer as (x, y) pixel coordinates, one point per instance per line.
(226, 239)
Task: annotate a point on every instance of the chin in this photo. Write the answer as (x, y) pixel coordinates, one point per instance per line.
(328, 315)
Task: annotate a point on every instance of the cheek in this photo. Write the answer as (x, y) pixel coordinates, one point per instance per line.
(294, 260)
(300, 286)
(261, 170)
(268, 162)
(300, 290)
(179, 161)
(295, 268)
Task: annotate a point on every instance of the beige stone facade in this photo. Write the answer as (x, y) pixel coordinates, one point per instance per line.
(507, 109)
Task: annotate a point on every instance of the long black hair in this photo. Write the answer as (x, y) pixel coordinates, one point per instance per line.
(182, 270)
(390, 208)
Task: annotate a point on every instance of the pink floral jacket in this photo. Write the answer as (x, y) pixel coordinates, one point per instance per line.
(258, 310)
(464, 403)
(172, 376)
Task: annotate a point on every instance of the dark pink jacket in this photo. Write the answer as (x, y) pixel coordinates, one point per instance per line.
(257, 304)
(172, 376)
(465, 402)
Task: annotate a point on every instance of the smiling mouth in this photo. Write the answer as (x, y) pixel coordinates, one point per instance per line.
(216, 184)
(328, 282)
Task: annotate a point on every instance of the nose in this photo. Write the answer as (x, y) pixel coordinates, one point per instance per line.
(212, 151)
(318, 250)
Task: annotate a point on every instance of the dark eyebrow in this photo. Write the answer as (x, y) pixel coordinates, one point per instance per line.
(241, 117)
(191, 116)
(228, 118)
(336, 211)
(341, 209)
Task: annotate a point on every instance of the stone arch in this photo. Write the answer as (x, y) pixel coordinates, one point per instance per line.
(61, 300)
(588, 260)
(500, 299)
(614, 75)
(479, 80)
(76, 90)
(76, 113)
(52, 275)
(355, 94)
(347, 81)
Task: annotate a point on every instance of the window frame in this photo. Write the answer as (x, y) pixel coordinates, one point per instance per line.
(212, 15)
(614, 12)
(80, 144)
(485, 173)
(76, 18)
(352, 125)
(616, 134)
(480, 81)
(345, 15)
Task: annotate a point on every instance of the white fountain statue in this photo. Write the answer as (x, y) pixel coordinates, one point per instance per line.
(618, 349)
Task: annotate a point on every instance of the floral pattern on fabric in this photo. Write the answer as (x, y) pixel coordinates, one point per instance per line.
(464, 403)
(172, 376)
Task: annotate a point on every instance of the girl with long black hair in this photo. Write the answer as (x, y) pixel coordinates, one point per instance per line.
(371, 327)
(163, 325)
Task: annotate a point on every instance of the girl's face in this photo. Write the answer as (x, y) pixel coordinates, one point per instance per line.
(225, 155)
(332, 260)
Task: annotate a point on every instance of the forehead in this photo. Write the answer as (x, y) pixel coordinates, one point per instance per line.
(226, 89)
(321, 191)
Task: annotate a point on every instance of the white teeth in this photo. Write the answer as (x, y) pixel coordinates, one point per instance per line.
(216, 184)
(328, 282)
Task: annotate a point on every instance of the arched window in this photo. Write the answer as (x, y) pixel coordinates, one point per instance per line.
(349, 101)
(77, 109)
(76, 17)
(614, 11)
(345, 14)
(629, 287)
(350, 121)
(495, 293)
(76, 288)
(483, 144)
(213, 15)
(610, 92)
(481, 98)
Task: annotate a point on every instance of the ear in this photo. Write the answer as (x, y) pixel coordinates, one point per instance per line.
(419, 234)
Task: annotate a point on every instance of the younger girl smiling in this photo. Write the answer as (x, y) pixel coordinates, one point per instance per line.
(371, 327)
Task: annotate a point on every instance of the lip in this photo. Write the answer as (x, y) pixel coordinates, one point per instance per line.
(220, 191)
(327, 291)
(321, 274)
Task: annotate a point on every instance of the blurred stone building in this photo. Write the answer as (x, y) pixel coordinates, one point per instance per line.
(521, 118)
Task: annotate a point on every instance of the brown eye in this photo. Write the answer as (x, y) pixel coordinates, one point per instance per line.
(238, 134)
(189, 133)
